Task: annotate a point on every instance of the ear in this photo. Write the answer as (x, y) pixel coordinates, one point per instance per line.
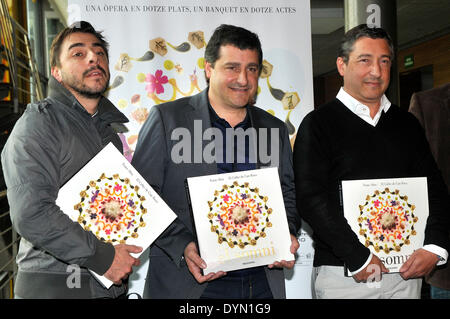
(208, 69)
(341, 66)
(56, 73)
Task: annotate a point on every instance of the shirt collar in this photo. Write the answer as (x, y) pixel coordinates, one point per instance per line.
(216, 119)
(362, 110)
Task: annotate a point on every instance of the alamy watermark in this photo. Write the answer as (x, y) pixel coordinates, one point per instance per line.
(234, 146)
(74, 278)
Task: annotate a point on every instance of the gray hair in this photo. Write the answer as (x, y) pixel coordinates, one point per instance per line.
(360, 31)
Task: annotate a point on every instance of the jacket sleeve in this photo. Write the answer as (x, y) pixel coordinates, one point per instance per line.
(415, 108)
(312, 166)
(150, 160)
(438, 222)
(31, 166)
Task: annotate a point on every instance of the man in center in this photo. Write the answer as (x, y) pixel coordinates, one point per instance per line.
(233, 62)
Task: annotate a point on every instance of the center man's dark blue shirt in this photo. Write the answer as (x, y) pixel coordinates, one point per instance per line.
(238, 163)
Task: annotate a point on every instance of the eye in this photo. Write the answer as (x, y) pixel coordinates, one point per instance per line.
(232, 68)
(253, 69)
(78, 54)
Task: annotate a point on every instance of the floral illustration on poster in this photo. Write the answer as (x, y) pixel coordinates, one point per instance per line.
(170, 80)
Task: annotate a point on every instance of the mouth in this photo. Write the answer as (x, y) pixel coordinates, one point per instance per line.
(93, 73)
(240, 89)
(373, 83)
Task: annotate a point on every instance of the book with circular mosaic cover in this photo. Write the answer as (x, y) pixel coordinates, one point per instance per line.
(386, 221)
(239, 215)
(110, 199)
(388, 216)
(112, 209)
(239, 219)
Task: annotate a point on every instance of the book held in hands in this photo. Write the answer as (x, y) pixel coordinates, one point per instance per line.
(109, 198)
(240, 219)
(388, 216)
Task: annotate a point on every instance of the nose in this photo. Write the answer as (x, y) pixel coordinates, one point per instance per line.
(93, 57)
(242, 77)
(375, 70)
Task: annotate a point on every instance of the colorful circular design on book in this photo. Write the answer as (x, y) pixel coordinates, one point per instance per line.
(239, 215)
(387, 221)
(111, 208)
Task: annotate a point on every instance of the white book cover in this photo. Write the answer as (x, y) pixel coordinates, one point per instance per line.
(388, 216)
(112, 200)
(240, 219)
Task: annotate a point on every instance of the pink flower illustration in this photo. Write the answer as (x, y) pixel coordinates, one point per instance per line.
(156, 82)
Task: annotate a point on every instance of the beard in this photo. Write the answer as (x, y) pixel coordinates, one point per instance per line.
(82, 89)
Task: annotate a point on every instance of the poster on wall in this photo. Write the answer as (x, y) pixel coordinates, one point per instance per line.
(157, 55)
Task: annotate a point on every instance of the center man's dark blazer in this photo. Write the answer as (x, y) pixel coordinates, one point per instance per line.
(168, 275)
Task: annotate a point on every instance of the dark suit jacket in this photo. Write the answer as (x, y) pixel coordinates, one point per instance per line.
(432, 109)
(168, 275)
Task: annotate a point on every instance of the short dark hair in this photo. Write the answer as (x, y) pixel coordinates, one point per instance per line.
(227, 34)
(79, 26)
(360, 31)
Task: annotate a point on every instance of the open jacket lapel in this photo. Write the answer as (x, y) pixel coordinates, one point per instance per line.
(199, 112)
(256, 123)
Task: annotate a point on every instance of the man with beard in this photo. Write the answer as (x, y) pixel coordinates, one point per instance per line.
(50, 143)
